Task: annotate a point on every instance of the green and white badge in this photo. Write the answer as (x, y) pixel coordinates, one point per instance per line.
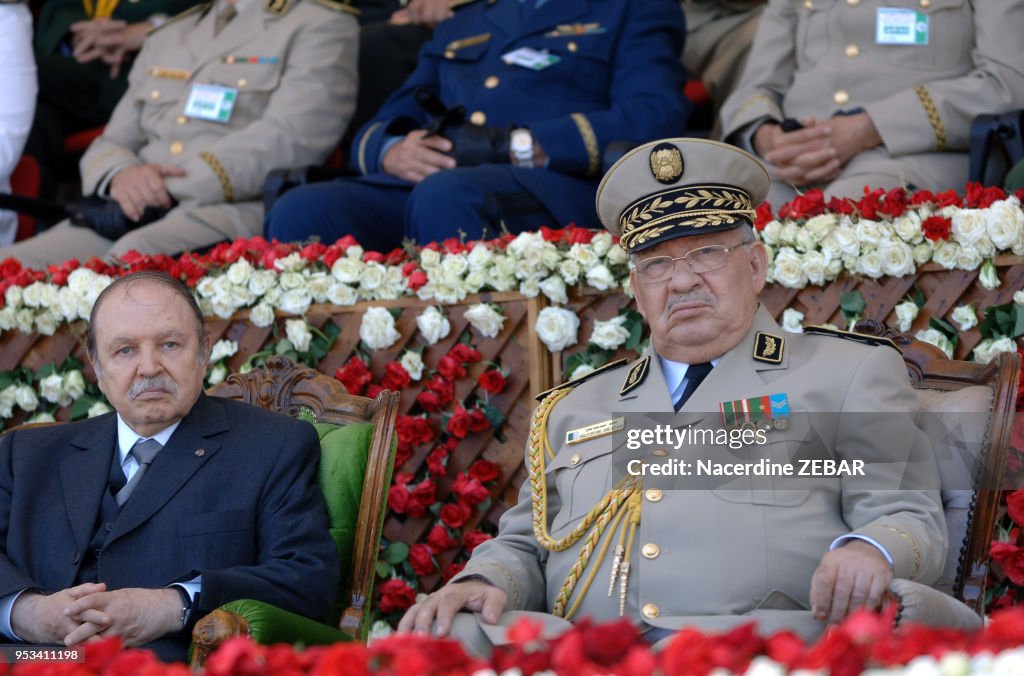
(899, 26)
(211, 102)
(527, 57)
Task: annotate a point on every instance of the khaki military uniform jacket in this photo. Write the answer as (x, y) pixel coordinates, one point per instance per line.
(295, 75)
(819, 57)
(717, 557)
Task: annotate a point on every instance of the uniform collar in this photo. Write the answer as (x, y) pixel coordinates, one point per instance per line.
(675, 374)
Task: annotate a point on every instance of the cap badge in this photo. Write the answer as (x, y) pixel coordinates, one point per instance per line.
(666, 163)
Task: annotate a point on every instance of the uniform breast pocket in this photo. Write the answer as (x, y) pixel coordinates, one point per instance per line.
(253, 84)
(160, 96)
(219, 523)
(950, 29)
(459, 63)
(582, 71)
(813, 30)
(582, 474)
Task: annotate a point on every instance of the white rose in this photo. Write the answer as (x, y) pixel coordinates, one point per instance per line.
(68, 304)
(946, 254)
(805, 241)
(788, 269)
(923, 253)
(222, 307)
(298, 334)
(32, 295)
(217, 375)
(46, 325)
(429, 258)
(968, 258)
(1018, 297)
(772, 232)
(584, 255)
(413, 363)
(296, 301)
(601, 243)
(530, 287)
(479, 256)
(25, 319)
(557, 327)
(289, 281)
(74, 384)
(454, 266)
(7, 401)
(223, 349)
(7, 318)
(789, 233)
(99, 282)
(610, 334)
(813, 264)
(293, 262)
(964, 316)
(433, 325)
(347, 270)
(617, 255)
(792, 320)
(906, 313)
(84, 308)
(25, 397)
(870, 264)
(261, 281)
(504, 266)
(834, 267)
(98, 408)
(372, 276)
(500, 281)
(627, 287)
(261, 315)
(49, 296)
(319, 283)
(988, 277)
(485, 319)
(819, 226)
(897, 258)
(908, 227)
(342, 294)
(41, 417)
(580, 371)
(936, 338)
(79, 280)
(985, 247)
(986, 350)
(554, 288)
(550, 256)
(600, 277)
(969, 226)
(474, 281)
(378, 329)
(847, 241)
(569, 270)
(51, 388)
(869, 232)
(354, 251)
(240, 272)
(448, 294)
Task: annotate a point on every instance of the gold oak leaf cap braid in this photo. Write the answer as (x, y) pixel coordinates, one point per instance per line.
(677, 187)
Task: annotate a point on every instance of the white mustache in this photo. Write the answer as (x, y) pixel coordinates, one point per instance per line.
(159, 383)
(698, 297)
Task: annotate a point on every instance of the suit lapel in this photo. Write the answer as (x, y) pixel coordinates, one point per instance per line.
(200, 36)
(83, 478)
(188, 449)
(653, 397)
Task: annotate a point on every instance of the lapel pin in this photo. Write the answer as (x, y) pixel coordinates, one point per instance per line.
(200, 452)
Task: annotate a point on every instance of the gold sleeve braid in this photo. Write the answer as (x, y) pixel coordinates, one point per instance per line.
(589, 142)
(934, 119)
(222, 175)
(913, 546)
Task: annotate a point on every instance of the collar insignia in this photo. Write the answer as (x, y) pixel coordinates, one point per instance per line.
(636, 376)
(768, 348)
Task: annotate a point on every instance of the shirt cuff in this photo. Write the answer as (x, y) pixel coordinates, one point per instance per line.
(843, 539)
(192, 587)
(103, 188)
(6, 606)
(385, 147)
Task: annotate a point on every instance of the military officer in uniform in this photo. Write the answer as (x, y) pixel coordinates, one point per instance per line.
(588, 538)
(545, 86)
(218, 97)
(885, 91)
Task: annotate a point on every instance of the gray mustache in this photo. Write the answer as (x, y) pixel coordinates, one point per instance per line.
(158, 383)
(702, 297)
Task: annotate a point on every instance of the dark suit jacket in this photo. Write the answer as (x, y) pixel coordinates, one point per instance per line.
(233, 497)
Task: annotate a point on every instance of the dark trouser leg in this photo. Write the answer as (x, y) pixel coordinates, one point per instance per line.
(371, 213)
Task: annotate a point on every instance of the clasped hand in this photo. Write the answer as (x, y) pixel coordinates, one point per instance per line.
(818, 152)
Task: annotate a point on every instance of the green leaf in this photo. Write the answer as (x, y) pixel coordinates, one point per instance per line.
(494, 416)
(384, 569)
(942, 325)
(47, 370)
(919, 299)
(284, 346)
(1018, 321)
(6, 380)
(852, 303)
(81, 407)
(396, 552)
(484, 506)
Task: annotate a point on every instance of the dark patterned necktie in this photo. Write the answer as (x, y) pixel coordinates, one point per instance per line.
(695, 375)
(144, 452)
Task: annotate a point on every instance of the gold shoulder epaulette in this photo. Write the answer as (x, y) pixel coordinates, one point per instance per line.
(194, 9)
(850, 335)
(582, 379)
(339, 6)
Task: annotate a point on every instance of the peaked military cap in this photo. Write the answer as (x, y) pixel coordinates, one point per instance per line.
(677, 187)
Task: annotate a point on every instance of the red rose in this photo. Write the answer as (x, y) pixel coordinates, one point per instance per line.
(551, 235)
(577, 235)
(345, 242)
(921, 197)
(423, 496)
(421, 559)
(978, 196)
(492, 381)
(332, 255)
(763, 216)
(1019, 194)
(373, 257)
(313, 251)
(936, 228)
(868, 205)
(450, 368)
(354, 375)
(398, 499)
(414, 430)
(458, 424)
(478, 422)
(1010, 558)
(474, 538)
(428, 401)
(416, 280)
(395, 256)
(402, 455)
(372, 390)
(436, 462)
(439, 540)
(455, 514)
(453, 245)
(444, 389)
(451, 570)
(811, 203)
(465, 354)
(484, 471)
(894, 204)
(1015, 506)
(469, 490)
(395, 596)
(947, 198)
(9, 268)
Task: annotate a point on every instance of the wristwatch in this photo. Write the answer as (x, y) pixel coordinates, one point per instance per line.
(521, 145)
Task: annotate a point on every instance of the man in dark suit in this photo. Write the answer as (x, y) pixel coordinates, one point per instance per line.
(139, 522)
(544, 85)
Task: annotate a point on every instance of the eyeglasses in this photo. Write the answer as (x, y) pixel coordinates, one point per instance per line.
(700, 260)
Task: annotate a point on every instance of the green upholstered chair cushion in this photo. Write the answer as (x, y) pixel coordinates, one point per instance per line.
(343, 453)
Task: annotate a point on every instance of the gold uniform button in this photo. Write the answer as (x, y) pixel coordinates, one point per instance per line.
(650, 550)
(841, 97)
(659, 453)
(572, 46)
(492, 82)
(177, 147)
(181, 119)
(155, 94)
(653, 495)
(575, 459)
(852, 51)
(808, 4)
(242, 82)
(853, 3)
(478, 117)
(450, 54)
(926, 3)
(650, 611)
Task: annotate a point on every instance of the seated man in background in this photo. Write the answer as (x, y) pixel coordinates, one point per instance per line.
(790, 553)
(219, 96)
(504, 124)
(137, 523)
(17, 99)
(84, 52)
(884, 91)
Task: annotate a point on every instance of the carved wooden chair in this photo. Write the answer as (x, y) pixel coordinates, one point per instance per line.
(967, 410)
(344, 421)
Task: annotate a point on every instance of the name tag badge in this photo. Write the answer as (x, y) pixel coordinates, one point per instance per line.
(527, 57)
(899, 26)
(211, 102)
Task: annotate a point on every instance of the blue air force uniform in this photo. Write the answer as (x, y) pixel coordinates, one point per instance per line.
(614, 75)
